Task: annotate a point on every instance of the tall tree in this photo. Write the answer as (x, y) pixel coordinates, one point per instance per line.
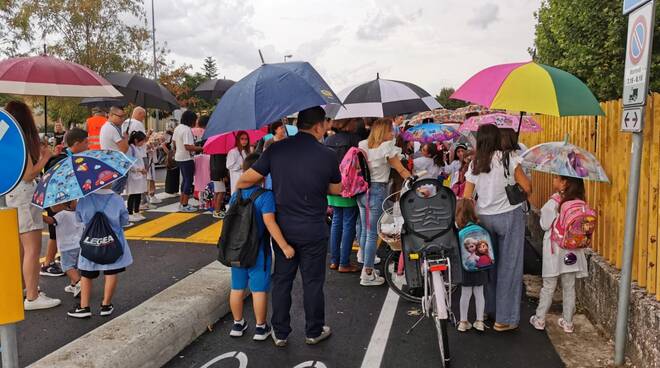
(182, 85)
(446, 102)
(210, 68)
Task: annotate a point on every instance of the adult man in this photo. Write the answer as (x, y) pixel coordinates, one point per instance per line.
(111, 138)
(303, 172)
(94, 124)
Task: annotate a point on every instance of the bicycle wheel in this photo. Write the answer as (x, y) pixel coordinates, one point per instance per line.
(440, 325)
(398, 282)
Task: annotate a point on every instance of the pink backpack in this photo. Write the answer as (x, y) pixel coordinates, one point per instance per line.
(575, 225)
(355, 176)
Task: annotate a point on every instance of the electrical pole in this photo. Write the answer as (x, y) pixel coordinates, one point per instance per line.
(153, 41)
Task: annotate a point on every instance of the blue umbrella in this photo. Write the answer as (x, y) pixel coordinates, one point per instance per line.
(79, 175)
(268, 94)
(291, 130)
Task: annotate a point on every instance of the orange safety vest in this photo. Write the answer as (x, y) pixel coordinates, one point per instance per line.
(94, 125)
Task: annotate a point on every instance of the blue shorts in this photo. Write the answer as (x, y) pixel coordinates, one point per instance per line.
(187, 169)
(69, 259)
(255, 277)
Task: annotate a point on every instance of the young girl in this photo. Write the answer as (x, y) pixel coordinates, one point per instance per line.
(137, 176)
(236, 156)
(431, 162)
(558, 262)
(112, 205)
(473, 282)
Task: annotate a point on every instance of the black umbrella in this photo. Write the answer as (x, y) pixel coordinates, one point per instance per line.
(103, 102)
(142, 91)
(212, 89)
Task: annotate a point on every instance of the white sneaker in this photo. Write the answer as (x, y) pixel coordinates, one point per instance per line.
(360, 258)
(155, 200)
(134, 218)
(42, 302)
(73, 289)
(187, 209)
(371, 280)
(140, 216)
(147, 206)
(464, 326)
(479, 326)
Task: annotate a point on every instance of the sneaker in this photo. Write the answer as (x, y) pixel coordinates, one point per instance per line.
(140, 216)
(479, 326)
(262, 333)
(106, 310)
(128, 225)
(371, 280)
(325, 333)
(464, 326)
(53, 270)
(567, 326)
(78, 312)
(238, 329)
(73, 289)
(155, 200)
(278, 342)
(219, 214)
(42, 302)
(538, 323)
(187, 209)
(133, 218)
(147, 206)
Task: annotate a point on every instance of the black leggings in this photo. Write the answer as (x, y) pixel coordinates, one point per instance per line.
(134, 203)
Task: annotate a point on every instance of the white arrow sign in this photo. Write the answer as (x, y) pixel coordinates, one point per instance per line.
(631, 119)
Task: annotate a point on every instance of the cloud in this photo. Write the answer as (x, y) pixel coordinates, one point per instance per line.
(485, 16)
(379, 27)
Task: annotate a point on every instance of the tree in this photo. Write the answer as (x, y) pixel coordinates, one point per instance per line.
(210, 68)
(182, 85)
(444, 100)
(587, 38)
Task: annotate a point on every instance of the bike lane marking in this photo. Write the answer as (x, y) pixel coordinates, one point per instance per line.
(376, 349)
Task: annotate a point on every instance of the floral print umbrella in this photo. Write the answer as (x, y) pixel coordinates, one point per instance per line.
(430, 133)
(563, 158)
(501, 120)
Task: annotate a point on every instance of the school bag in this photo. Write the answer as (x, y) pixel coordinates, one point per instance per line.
(239, 240)
(206, 196)
(476, 248)
(574, 226)
(99, 243)
(355, 175)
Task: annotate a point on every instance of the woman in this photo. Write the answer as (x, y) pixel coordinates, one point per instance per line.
(184, 147)
(344, 210)
(505, 222)
(382, 156)
(59, 133)
(236, 156)
(172, 174)
(30, 222)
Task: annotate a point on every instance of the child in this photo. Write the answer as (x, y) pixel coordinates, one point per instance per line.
(473, 282)
(431, 161)
(112, 205)
(558, 262)
(256, 277)
(69, 231)
(137, 176)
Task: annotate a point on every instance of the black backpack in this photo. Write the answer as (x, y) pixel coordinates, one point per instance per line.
(99, 242)
(239, 240)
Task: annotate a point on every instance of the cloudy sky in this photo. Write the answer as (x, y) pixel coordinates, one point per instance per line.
(433, 43)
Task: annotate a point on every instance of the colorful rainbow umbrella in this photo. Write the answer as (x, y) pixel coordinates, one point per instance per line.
(430, 133)
(529, 87)
(500, 120)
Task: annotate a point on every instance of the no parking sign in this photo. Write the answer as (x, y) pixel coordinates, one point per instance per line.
(638, 55)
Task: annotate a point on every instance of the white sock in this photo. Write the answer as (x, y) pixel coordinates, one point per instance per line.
(241, 322)
(262, 326)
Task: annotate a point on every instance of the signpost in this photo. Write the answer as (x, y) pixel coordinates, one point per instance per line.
(635, 84)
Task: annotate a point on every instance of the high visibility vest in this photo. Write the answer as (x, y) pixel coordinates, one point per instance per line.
(94, 125)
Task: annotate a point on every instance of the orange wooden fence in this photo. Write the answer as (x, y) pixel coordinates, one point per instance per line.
(612, 147)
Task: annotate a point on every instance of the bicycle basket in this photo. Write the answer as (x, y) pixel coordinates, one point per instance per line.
(389, 226)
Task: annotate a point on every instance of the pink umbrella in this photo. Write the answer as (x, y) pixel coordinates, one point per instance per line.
(501, 120)
(223, 143)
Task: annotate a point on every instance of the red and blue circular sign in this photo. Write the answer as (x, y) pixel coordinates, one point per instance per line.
(13, 152)
(637, 40)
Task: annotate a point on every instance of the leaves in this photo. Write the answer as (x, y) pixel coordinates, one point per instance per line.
(210, 68)
(444, 100)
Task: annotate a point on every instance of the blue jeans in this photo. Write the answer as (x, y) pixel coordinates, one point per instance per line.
(187, 169)
(342, 233)
(371, 206)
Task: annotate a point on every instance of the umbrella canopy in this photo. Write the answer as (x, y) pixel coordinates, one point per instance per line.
(291, 130)
(529, 87)
(563, 158)
(501, 120)
(79, 175)
(446, 115)
(223, 143)
(430, 133)
(104, 102)
(212, 89)
(49, 76)
(142, 91)
(382, 97)
(268, 94)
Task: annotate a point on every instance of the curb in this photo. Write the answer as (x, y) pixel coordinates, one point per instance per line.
(154, 332)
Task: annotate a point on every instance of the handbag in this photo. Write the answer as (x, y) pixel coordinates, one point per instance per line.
(514, 192)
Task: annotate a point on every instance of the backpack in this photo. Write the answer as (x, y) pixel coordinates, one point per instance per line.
(355, 175)
(206, 196)
(476, 248)
(575, 225)
(239, 240)
(99, 243)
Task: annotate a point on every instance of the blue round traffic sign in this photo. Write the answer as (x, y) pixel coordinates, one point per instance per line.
(13, 152)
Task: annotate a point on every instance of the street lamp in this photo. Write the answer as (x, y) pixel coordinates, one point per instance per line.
(287, 57)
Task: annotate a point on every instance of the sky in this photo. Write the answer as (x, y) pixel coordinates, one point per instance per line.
(432, 43)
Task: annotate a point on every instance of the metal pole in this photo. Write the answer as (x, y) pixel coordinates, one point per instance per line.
(153, 41)
(9, 346)
(261, 56)
(628, 244)
(45, 115)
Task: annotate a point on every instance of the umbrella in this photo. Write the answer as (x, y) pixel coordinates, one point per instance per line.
(79, 175)
(466, 139)
(142, 91)
(529, 87)
(291, 130)
(212, 89)
(104, 102)
(382, 97)
(501, 120)
(446, 116)
(563, 158)
(430, 133)
(268, 94)
(223, 143)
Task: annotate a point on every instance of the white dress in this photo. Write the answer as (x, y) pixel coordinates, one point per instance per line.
(137, 181)
(553, 255)
(235, 160)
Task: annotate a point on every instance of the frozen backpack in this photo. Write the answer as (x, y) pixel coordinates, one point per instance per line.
(355, 175)
(575, 225)
(476, 248)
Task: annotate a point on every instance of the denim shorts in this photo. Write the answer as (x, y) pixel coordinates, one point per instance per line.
(187, 169)
(69, 259)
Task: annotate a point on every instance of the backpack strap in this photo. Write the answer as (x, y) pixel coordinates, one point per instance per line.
(253, 197)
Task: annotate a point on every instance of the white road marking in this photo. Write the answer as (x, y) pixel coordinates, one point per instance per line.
(240, 356)
(311, 364)
(378, 343)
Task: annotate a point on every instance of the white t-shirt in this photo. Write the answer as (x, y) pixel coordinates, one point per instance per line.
(183, 136)
(426, 164)
(132, 125)
(490, 186)
(377, 157)
(68, 230)
(110, 136)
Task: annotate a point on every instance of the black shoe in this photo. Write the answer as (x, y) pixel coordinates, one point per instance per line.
(238, 329)
(262, 333)
(52, 270)
(106, 310)
(78, 312)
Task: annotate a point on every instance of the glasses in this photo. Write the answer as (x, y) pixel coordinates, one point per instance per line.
(119, 116)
